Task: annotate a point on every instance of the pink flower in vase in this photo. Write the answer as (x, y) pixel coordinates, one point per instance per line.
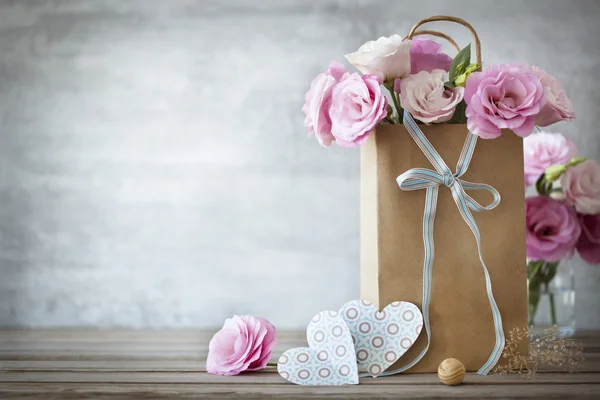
(558, 106)
(544, 149)
(426, 55)
(507, 96)
(581, 187)
(318, 102)
(588, 245)
(552, 229)
(243, 344)
(357, 106)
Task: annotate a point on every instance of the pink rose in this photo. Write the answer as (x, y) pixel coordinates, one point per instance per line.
(357, 105)
(552, 229)
(581, 186)
(387, 58)
(426, 55)
(426, 98)
(318, 101)
(588, 245)
(505, 96)
(243, 344)
(542, 150)
(558, 106)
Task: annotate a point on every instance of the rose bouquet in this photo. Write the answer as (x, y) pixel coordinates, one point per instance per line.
(345, 108)
(438, 99)
(404, 79)
(564, 216)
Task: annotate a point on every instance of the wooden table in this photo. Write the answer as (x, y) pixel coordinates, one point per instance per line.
(71, 364)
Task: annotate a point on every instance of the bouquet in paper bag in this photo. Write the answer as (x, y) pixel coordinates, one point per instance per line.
(345, 108)
(427, 237)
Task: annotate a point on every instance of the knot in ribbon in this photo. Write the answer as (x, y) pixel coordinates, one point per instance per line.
(449, 180)
(423, 178)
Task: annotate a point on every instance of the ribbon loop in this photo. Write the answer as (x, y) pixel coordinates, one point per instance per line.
(474, 205)
(419, 178)
(422, 178)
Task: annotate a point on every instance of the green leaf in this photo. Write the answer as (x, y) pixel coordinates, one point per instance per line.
(449, 85)
(460, 63)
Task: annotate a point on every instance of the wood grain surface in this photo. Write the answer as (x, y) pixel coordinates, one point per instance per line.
(71, 364)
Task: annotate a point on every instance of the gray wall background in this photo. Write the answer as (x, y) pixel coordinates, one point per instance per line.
(155, 172)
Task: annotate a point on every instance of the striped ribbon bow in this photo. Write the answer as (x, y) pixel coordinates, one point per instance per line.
(422, 178)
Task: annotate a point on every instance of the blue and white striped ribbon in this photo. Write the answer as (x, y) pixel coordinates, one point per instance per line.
(422, 178)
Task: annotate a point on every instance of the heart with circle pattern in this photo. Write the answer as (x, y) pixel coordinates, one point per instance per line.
(330, 358)
(381, 338)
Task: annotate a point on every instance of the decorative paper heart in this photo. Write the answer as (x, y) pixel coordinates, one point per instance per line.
(330, 358)
(381, 338)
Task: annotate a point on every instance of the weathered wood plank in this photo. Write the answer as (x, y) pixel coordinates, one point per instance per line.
(166, 336)
(225, 391)
(84, 335)
(167, 362)
(97, 364)
(269, 377)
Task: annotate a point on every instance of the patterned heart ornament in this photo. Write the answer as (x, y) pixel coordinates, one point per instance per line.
(330, 358)
(381, 338)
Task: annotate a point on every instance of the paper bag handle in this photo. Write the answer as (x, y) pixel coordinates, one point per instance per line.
(457, 20)
(440, 35)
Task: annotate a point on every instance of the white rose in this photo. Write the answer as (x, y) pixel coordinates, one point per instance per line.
(426, 98)
(387, 58)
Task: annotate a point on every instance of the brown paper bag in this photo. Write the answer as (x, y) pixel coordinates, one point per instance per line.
(392, 249)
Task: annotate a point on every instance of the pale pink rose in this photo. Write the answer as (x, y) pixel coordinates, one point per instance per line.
(507, 96)
(426, 55)
(387, 58)
(544, 149)
(552, 229)
(588, 245)
(425, 97)
(581, 186)
(318, 101)
(357, 106)
(558, 106)
(243, 344)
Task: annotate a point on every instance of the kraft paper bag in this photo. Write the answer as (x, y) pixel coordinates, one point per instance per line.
(392, 249)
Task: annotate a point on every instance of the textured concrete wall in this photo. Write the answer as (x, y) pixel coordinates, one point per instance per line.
(154, 170)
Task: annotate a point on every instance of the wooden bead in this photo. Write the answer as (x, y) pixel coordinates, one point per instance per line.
(451, 372)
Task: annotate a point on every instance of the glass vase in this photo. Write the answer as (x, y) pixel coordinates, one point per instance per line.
(551, 297)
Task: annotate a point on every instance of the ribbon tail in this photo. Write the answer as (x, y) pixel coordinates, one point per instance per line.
(431, 197)
(419, 178)
(500, 339)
